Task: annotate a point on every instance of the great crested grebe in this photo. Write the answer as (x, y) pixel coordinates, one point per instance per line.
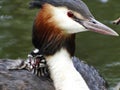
(54, 32)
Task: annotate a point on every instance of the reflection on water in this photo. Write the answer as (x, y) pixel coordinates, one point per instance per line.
(104, 1)
(101, 51)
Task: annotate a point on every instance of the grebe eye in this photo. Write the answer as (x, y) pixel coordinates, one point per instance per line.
(70, 14)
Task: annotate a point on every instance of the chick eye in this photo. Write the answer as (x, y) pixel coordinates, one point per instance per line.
(70, 14)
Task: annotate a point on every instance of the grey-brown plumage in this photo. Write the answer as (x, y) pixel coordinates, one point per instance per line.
(32, 82)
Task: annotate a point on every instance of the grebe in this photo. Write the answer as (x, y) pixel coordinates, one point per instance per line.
(53, 34)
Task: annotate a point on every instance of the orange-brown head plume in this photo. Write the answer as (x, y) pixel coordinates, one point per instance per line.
(47, 36)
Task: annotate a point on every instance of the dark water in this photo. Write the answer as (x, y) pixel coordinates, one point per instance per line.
(101, 51)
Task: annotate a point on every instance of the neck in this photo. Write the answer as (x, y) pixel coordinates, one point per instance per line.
(63, 73)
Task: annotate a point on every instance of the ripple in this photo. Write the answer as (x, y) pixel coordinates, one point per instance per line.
(3, 17)
(113, 64)
(104, 1)
(2, 36)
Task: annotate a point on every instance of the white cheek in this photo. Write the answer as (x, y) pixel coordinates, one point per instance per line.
(71, 26)
(65, 23)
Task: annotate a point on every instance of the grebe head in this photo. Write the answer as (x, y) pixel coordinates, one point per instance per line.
(72, 16)
(58, 21)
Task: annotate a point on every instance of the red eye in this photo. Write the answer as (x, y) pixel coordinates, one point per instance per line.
(70, 14)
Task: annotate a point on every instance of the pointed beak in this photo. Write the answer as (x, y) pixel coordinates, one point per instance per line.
(96, 26)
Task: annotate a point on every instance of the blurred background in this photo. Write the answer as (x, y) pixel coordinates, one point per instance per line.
(103, 52)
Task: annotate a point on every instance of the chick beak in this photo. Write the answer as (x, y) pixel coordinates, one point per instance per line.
(96, 26)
